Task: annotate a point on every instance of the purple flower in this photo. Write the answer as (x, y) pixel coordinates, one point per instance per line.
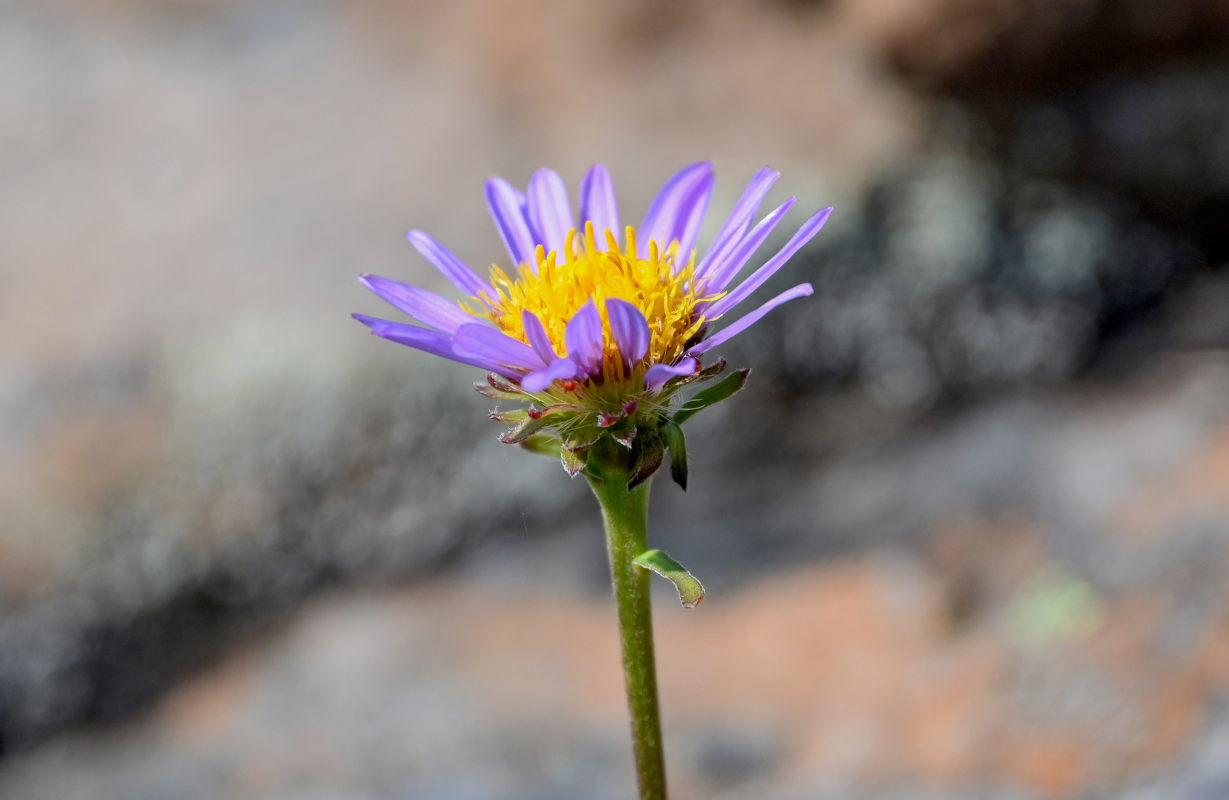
(594, 321)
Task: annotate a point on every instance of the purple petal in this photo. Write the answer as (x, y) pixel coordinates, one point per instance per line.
(739, 220)
(804, 234)
(450, 266)
(725, 334)
(482, 341)
(661, 221)
(658, 374)
(426, 307)
(691, 215)
(559, 369)
(507, 207)
(721, 273)
(597, 203)
(538, 340)
(583, 337)
(629, 329)
(429, 341)
(549, 210)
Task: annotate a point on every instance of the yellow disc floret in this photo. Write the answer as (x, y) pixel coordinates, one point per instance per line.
(555, 288)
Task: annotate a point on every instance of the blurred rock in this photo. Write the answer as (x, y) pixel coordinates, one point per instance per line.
(1033, 239)
(276, 465)
(843, 680)
(919, 662)
(959, 275)
(993, 46)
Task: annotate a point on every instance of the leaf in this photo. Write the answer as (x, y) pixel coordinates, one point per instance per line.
(691, 591)
(649, 454)
(713, 394)
(543, 445)
(676, 442)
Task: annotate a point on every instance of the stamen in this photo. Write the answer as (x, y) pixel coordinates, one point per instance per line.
(555, 288)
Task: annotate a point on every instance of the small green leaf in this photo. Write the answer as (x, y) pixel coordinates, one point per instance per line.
(691, 591)
(649, 452)
(543, 445)
(713, 394)
(676, 442)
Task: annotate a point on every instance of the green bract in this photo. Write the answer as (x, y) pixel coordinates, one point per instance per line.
(645, 430)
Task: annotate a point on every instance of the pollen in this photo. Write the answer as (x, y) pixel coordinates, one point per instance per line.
(555, 286)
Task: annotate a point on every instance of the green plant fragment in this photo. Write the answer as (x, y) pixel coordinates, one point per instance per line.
(691, 591)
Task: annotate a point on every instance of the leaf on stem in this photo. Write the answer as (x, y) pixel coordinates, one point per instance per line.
(691, 591)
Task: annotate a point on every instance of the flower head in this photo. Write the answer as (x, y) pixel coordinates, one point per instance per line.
(595, 325)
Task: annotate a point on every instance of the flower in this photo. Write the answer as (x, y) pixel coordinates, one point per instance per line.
(597, 330)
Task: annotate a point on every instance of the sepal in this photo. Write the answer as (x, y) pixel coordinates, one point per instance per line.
(574, 461)
(649, 452)
(508, 391)
(712, 370)
(712, 395)
(699, 376)
(488, 390)
(676, 443)
(524, 430)
(543, 445)
(582, 439)
(537, 413)
(624, 435)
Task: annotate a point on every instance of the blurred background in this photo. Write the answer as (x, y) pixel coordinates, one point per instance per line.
(965, 534)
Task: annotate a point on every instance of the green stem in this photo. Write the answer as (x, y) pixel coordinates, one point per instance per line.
(625, 514)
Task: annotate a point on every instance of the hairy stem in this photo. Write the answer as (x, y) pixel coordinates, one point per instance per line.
(625, 514)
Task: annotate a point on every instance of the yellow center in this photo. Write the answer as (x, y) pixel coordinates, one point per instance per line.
(554, 292)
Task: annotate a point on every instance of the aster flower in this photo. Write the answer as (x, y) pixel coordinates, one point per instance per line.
(594, 325)
(599, 328)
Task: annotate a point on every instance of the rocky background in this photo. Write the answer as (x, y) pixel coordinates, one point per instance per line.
(965, 534)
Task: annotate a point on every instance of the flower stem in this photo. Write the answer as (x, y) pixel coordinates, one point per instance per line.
(625, 514)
